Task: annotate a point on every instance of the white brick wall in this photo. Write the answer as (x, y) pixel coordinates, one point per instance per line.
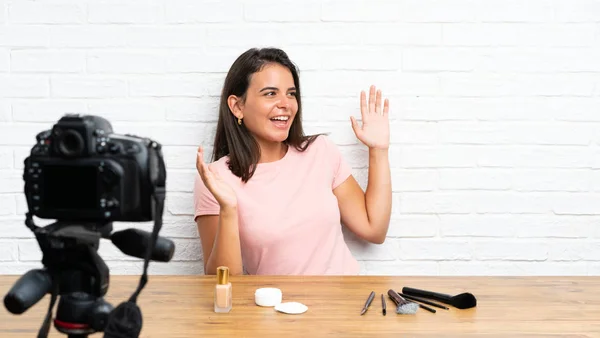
(495, 115)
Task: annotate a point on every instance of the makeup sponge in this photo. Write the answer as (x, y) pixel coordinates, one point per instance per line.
(267, 296)
(292, 308)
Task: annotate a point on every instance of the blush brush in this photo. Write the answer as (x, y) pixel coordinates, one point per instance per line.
(403, 307)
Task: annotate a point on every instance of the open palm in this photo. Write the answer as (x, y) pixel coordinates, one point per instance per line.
(375, 129)
(220, 189)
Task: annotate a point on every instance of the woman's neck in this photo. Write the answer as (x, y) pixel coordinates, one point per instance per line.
(272, 151)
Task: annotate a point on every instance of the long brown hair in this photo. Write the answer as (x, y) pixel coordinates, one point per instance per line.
(237, 141)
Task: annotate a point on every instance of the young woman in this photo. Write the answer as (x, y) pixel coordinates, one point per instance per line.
(273, 199)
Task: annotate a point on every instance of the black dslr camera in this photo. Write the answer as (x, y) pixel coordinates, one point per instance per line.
(85, 177)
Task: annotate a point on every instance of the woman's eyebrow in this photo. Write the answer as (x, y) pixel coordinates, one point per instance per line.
(275, 88)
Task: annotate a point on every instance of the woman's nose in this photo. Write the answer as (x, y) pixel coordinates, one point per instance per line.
(284, 103)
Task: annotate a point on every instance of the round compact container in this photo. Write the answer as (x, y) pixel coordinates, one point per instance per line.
(267, 296)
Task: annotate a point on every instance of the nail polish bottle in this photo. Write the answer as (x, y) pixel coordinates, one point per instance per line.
(223, 290)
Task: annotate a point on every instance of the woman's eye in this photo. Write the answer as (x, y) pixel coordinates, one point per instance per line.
(273, 93)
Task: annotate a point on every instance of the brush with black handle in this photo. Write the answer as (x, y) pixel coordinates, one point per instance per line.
(462, 301)
(424, 301)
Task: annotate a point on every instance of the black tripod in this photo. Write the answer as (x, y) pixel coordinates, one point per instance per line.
(74, 272)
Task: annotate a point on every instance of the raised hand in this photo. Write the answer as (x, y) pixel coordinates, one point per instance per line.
(375, 129)
(222, 192)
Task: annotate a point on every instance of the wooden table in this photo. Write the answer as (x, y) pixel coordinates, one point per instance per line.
(182, 306)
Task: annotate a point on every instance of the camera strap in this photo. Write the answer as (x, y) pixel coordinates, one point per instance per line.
(125, 321)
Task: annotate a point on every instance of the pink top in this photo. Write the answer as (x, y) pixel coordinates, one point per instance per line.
(289, 219)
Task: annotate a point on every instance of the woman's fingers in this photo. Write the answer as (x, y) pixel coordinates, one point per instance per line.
(203, 170)
(378, 102)
(372, 99)
(200, 160)
(363, 104)
(386, 107)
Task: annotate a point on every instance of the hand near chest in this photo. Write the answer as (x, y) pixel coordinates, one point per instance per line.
(220, 189)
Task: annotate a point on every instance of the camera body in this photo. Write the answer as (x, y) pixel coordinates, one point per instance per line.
(81, 171)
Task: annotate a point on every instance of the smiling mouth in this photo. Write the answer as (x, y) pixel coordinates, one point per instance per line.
(281, 121)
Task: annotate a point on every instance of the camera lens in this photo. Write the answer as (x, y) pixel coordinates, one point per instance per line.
(70, 143)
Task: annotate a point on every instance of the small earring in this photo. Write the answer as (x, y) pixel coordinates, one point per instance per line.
(239, 121)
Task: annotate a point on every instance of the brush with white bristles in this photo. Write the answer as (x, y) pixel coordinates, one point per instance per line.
(403, 307)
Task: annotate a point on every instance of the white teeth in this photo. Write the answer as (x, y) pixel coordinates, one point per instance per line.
(281, 118)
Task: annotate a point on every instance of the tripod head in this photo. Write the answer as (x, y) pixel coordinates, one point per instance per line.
(75, 272)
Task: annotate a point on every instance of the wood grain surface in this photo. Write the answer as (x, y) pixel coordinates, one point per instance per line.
(182, 306)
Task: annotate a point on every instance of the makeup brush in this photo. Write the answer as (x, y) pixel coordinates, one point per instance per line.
(424, 307)
(368, 303)
(462, 301)
(403, 307)
(424, 301)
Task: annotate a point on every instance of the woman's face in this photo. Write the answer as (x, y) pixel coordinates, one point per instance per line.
(270, 105)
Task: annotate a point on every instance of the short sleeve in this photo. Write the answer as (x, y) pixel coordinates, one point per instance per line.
(204, 201)
(341, 168)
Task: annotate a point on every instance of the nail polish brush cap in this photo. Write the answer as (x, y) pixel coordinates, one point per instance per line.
(222, 275)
